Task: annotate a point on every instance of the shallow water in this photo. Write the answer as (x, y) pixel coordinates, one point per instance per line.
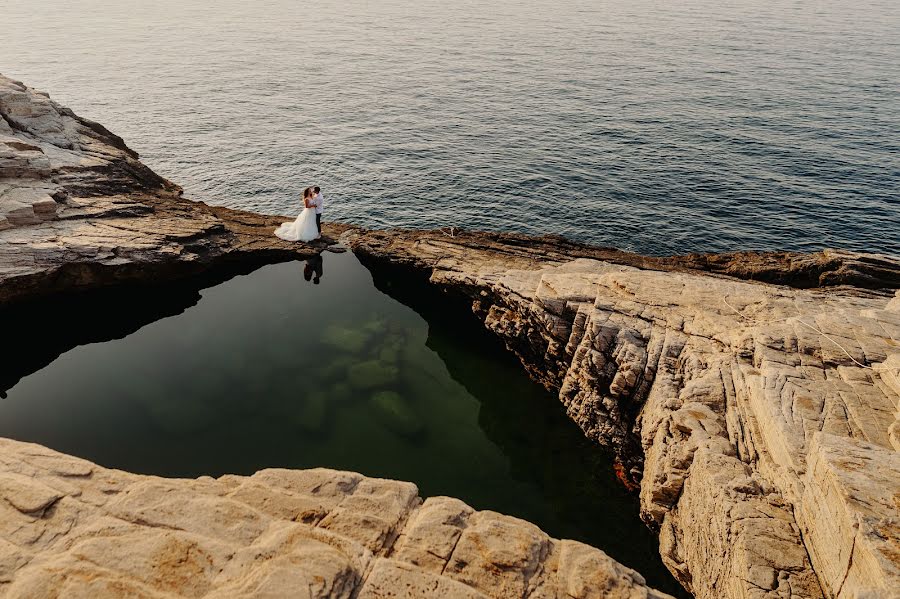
(659, 127)
(269, 370)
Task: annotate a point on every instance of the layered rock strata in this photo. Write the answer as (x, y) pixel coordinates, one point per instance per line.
(69, 528)
(759, 421)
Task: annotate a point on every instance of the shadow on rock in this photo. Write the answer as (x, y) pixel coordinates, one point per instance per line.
(37, 332)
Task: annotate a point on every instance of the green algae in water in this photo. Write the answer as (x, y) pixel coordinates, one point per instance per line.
(393, 411)
(346, 338)
(267, 370)
(371, 374)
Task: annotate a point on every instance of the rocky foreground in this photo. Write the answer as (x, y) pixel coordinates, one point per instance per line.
(69, 528)
(758, 420)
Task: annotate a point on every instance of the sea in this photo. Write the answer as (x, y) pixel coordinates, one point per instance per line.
(655, 127)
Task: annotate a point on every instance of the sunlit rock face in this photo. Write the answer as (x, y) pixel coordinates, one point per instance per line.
(69, 528)
(48, 154)
(760, 421)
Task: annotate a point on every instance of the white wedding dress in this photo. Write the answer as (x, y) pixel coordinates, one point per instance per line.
(302, 229)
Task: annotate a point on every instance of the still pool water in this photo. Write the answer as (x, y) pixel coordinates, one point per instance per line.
(268, 369)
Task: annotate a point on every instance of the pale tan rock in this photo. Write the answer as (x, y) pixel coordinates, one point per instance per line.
(12, 557)
(166, 504)
(247, 537)
(851, 515)
(498, 555)
(309, 568)
(373, 513)
(734, 404)
(397, 579)
(432, 533)
(711, 391)
(27, 495)
(585, 572)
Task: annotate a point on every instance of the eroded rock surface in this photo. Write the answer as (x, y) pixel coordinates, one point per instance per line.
(759, 421)
(69, 528)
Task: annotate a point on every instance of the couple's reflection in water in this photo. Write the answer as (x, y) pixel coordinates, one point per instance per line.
(313, 269)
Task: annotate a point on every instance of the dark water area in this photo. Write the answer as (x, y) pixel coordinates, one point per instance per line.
(267, 369)
(655, 127)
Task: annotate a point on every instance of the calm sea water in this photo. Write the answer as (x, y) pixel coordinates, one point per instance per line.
(337, 374)
(659, 127)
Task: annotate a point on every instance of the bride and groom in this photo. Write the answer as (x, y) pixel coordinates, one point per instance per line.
(308, 225)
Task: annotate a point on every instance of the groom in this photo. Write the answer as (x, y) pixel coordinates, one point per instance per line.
(319, 202)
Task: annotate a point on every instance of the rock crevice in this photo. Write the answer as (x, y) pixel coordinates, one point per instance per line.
(723, 400)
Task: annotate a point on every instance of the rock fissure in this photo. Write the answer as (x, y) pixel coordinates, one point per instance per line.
(708, 412)
(848, 569)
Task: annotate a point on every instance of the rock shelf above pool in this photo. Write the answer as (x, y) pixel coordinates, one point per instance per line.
(69, 528)
(761, 422)
(77, 209)
(752, 397)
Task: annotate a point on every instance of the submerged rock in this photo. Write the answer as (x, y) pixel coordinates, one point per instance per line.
(312, 411)
(69, 528)
(341, 392)
(389, 354)
(376, 326)
(391, 347)
(346, 338)
(394, 412)
(371, 374)
(335, 368)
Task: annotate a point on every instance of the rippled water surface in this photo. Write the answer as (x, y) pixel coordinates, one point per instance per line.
(657, 127)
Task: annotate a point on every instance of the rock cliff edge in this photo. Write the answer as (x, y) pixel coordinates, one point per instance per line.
(752, 399)
(760, 422)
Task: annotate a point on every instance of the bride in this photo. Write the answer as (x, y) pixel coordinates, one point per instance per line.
(304, 228)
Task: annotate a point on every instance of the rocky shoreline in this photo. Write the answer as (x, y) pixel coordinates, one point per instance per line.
(752, 398)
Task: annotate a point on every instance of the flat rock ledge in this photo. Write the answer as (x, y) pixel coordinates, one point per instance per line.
(752, 398)
(69, 528)
(78, 210)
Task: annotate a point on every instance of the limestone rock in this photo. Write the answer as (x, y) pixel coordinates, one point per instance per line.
(760, 421)
(69, 528)
(850, 514)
